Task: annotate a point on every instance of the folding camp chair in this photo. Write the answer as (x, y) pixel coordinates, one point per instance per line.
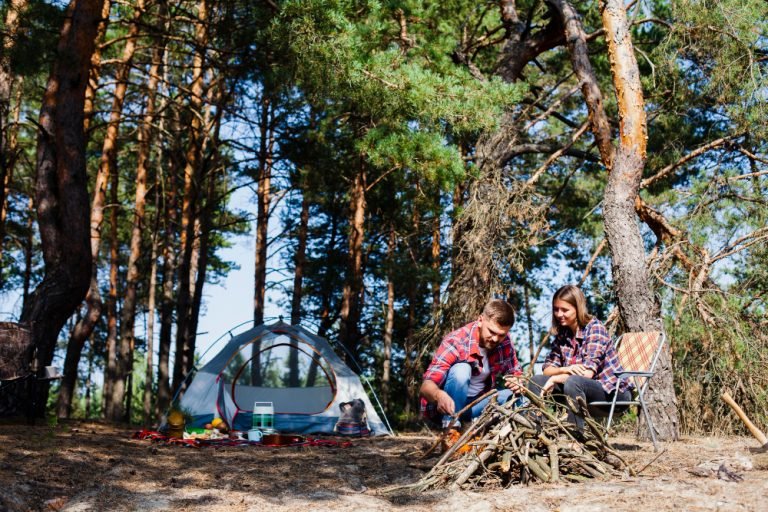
(638, 354)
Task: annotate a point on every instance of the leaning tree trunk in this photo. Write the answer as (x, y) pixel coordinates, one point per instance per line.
(61, 192)
(637, 306)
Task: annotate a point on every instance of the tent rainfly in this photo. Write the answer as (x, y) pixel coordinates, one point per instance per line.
(284, 364)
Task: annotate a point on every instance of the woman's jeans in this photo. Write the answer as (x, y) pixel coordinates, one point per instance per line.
(589, 389)
(457, 386)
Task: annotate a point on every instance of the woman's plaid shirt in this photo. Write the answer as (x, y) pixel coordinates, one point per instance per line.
(592, 347)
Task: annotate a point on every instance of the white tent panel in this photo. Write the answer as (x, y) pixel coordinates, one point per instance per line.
(312, 409)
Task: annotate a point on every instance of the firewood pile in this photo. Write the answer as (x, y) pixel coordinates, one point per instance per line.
(524, 445)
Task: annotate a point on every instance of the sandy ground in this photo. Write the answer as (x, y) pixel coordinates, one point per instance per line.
(98, 467)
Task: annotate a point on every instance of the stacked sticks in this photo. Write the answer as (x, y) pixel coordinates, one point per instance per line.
(523, 445)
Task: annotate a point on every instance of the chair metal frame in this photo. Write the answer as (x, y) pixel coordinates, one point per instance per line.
(640, 401)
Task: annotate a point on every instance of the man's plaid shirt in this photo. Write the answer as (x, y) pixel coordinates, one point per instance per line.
(461, 346)
(592, 347)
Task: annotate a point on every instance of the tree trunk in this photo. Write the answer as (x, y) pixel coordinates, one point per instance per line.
(94, 75)
(435, 258)
(205, 226)
(151, 307)
(184, 335)
(167, 214)
(298, 276)
(638, 309)
(61, 190)
(7, 82)
(28, 248)
(80, 333)
(89, 382)
(262, 220)
(389, 322)
(529, 323)
(164, 392)
(114, 380)
(349, 334)
(107, 167)
(128, 312)
(145, 134)
(266, 147)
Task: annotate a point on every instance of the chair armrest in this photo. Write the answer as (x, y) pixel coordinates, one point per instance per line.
(634, 374)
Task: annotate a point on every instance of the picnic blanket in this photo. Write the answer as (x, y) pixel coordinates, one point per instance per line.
(297, 440)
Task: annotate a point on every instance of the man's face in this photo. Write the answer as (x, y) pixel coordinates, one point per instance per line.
(491, 333)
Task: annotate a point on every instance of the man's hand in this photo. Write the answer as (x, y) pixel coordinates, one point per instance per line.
(514, 383)
(445, 403)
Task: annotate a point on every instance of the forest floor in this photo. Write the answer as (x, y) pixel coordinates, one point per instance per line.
(76, 466)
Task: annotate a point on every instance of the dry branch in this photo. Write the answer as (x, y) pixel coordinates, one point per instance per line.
(519, 445)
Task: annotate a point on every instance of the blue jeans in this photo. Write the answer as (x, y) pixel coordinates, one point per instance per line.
(457, 387)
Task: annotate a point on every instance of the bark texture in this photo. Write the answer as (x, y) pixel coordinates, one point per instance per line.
(185, 335)
(61, 188)
(349, 333)
(639, 311)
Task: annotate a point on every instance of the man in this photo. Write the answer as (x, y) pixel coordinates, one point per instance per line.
(466, 365)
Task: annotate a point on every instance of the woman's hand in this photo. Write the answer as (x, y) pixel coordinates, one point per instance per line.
(550, 384)
(580, 370)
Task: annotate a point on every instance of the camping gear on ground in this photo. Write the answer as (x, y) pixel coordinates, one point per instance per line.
(281, 439)
(264, 417)
(284, 364)
(176, 424)
(255, 435)
(353, 420)
(275, 440)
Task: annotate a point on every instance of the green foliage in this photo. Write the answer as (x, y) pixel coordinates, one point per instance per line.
(348, 52)
(724, 43)
(38, 32)
(725, 354)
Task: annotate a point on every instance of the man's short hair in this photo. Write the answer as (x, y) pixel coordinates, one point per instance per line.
(500, 311)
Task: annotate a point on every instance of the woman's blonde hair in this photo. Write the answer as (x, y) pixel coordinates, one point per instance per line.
(575, 297)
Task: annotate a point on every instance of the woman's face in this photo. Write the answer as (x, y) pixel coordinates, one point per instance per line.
(565, 314)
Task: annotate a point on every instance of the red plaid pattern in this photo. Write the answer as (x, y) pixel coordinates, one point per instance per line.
(636, 351)
(461, 346)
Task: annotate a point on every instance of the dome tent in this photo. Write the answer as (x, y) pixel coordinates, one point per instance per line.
(284, 364)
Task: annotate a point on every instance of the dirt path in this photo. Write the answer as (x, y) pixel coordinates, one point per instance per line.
(96, 467)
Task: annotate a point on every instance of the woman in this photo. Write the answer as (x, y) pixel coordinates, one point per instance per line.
(582, 362)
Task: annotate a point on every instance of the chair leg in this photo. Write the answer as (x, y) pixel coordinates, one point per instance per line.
(649, 422)
(610, 414)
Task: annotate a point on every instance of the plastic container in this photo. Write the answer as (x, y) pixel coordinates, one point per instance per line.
(264, 417)
(176, 424)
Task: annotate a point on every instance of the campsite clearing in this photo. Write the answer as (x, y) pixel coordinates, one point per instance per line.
(93, 466)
